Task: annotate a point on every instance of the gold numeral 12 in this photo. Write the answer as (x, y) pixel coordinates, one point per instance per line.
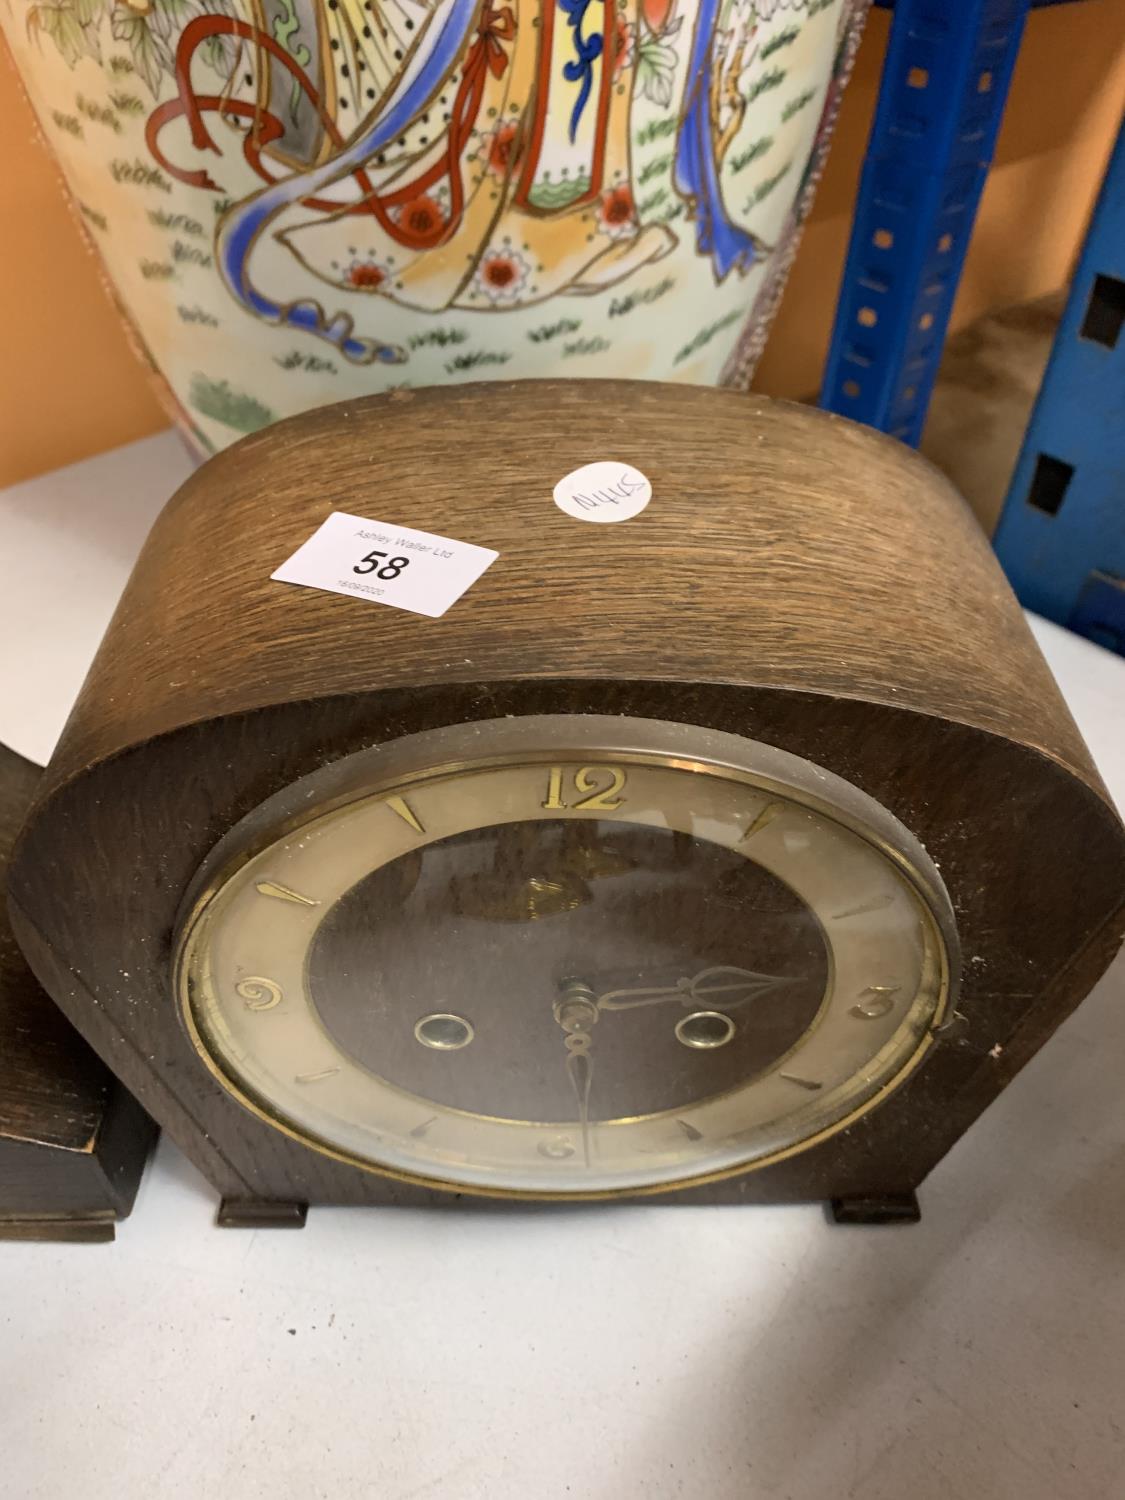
(592, 797)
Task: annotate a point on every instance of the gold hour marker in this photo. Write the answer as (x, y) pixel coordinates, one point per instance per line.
(592, 797)
(258, 992)
(283, 893)
(315, 1077)
(803, 1083)
(766, 816)
(875, 1001)
(405, 812)
(875, 904)
(690, 1131)
(556, 1148)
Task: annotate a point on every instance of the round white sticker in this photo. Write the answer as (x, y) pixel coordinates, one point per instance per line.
(603, 492)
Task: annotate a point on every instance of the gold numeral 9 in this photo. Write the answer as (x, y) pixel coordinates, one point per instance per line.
(259, 993)
(592, 795)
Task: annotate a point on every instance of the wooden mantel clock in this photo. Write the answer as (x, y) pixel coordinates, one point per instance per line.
(741, 851)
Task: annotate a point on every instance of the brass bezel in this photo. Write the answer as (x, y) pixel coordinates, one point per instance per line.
(391, 769)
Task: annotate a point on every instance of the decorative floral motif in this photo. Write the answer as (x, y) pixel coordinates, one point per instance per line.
(366, 275)
(624, 37)
(617, 213)
(657, 14)
(422, 217)
(657, 58)
(502, 275)
(503, 149)
(71, 24)
(148, 29)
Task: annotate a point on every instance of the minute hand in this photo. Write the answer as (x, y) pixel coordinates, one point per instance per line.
(576, 1011)
(729, 985)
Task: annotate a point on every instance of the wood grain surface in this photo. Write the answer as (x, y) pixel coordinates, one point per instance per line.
(784, 547)
(71, 1142)
(795, 579)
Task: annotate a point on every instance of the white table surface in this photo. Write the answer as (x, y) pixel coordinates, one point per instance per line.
(604, 1352)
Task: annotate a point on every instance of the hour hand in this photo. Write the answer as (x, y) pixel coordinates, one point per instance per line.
(580, 1068)
(722, 984)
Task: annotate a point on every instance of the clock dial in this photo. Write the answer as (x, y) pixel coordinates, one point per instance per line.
(569, 959)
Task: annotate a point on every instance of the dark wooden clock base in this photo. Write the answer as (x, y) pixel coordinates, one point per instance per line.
(884, 1208)
(81, 1176)
(73, 1142)
(96, 1229)
(261, 1213)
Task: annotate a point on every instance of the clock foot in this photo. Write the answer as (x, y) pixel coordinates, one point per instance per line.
(91, 1229)
(885, 1208)
(261, 1213)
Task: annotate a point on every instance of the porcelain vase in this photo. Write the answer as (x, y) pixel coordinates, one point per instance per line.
(297, 201)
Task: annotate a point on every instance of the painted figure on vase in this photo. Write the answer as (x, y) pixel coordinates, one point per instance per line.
(374, 163)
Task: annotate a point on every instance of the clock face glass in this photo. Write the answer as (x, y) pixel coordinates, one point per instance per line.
(573, 962)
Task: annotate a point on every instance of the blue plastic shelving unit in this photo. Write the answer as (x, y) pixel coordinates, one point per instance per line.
(941, 99)
(1061, 537)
